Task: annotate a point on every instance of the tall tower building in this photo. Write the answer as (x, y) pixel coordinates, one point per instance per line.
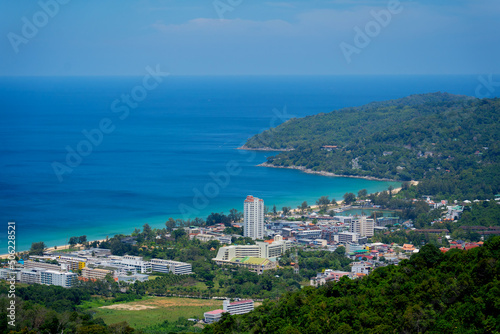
(363, 226)
(253, 218)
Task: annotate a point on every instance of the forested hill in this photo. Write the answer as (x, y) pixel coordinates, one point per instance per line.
(416, 137)
(454, 292)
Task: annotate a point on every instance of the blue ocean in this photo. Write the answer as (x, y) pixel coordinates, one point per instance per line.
(78, 156)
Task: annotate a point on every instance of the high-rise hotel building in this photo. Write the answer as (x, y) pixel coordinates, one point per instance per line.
(253, 218)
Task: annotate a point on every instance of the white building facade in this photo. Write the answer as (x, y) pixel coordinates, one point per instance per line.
(239, 307)
(362, 225)
(253, 218)
(169, 266)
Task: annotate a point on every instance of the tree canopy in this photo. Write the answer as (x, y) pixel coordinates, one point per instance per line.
(432, 292)
(451, 142)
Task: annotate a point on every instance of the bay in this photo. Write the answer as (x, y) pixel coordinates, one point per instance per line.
(173, 155)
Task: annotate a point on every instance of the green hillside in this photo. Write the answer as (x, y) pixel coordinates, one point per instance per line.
(454, 292)
(436, 136)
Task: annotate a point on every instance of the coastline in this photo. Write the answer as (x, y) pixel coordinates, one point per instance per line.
(294, 210)
(266, 149)
(62, 247)
(339, 203)
(323, 173)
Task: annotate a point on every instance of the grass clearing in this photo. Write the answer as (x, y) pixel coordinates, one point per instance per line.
(155, 310)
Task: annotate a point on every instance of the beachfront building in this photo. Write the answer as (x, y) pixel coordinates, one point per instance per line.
(213, 316)
(238, 307)
(253, 218)
(169, 266)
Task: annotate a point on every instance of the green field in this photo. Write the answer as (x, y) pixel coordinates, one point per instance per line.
(155, 310)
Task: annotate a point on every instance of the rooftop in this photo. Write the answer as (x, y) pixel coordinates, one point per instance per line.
(214, 312)
(241, 302)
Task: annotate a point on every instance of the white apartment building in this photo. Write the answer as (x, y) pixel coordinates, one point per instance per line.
(53, 277)
(169, 266)
(95, 273)
(363, 226)
(260, 249)
(135, 263)
(30, 275)
(213, 316)
(239, 307)
(253, 226)
(47, 277)
(347, 237)
(34, 264)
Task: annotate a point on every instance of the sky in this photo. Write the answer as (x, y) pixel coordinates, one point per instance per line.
(249, 37)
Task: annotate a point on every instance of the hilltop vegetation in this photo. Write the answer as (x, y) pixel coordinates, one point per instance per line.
(454, 292)
(450, 140)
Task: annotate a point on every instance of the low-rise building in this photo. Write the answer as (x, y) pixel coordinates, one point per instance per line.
(38, 264)
(53, 277)
(327, 276)
(213, 316)
(136, 263)
(260, 250)
(95, 273)
(256, 264)
(238, 307)
(48, 277)
(169, 266)
(30, 275)
(361, 267)
(346, 237)
(132, 278)
(73, 262)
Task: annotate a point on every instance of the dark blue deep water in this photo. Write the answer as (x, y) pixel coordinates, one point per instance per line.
(155, 159)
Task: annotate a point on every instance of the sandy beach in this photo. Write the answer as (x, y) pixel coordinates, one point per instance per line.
(339, 203)
(62, 247)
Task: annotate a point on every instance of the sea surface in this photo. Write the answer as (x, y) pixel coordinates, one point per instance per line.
(172, 153)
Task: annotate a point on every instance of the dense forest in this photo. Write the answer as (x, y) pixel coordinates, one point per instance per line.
(432, 292)
(451, 142)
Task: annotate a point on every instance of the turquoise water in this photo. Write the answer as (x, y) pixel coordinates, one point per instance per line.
(178, 142)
